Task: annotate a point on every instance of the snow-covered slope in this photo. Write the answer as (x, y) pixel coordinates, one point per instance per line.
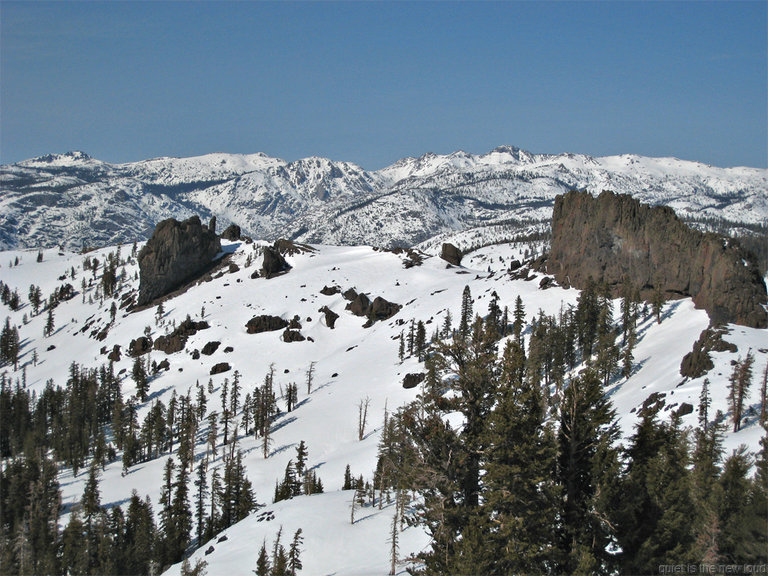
(351, 363)
(75, 200)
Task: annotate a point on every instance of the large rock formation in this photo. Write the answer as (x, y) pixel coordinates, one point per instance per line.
(613, 237)
(177, 253)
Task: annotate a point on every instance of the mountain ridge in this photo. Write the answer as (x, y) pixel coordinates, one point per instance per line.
(75, 200)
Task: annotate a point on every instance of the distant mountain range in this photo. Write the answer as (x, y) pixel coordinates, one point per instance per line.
(74, 200)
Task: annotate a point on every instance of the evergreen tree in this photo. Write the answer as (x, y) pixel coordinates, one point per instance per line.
(738, 388)
(49, 323)
(139, 375)
(588, 467)
(201, 486)
(741, 538)
(263, 565)
(294, 554)
(465, 322)
(654, 516)
(520, 496)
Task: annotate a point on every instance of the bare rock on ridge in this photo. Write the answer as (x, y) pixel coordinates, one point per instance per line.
(614, 236)
(451, 254)
(176, 253)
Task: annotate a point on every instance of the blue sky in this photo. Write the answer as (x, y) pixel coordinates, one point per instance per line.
(373, 82)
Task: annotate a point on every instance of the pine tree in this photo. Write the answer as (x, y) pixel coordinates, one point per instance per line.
(294, 553)
(741, 538)
(588, 464)
(447, 325)
(520, 496)
(139, 375)
(465, 322)
(263, 565)
(310, 377)
(654, 516)
(201, 485)
(49, 323)
(738, 389)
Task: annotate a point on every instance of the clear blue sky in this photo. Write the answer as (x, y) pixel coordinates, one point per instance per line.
(373, 82)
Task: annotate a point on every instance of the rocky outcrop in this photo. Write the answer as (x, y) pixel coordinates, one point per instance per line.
(292, 336)
(139, 346)
(330, 316)
(698, 361)
(613, 237)
(413, 379)
(210, 347)
(220, 367)
(274, 264)
(451, 254)
(379, 309)
(265, 323)
(176, 340)
(231, 233)
(360, 305)
(176, 253)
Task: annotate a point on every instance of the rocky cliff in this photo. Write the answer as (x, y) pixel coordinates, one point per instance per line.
(176, 253)
(613, 237)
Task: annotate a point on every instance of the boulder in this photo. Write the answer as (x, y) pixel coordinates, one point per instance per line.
(274, 264)
(698, 361)
(451, 254)
(231, 233)
(330, 290)
(413, 379)
(176, 340)
(177, 253)
(292, 336)
(265, 323)
(614, 237)
(220, 367)
(382, 309)
(349, 294)
(114, 355)
(330, 316)
(139, 346)
(360, 305)
(210, 348)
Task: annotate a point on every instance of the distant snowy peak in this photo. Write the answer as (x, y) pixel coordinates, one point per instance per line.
(78, 201)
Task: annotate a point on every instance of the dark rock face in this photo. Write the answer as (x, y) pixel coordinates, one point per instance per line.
(265, 323)
(413, 379)
(231, 233)
(349, 294)
(210, 348)
(292, 336)
(614, 236)
(685, 409)
(176, 340)
(360, 305)
(290, 247)
(212, 224)
(114, 355)
(330, 290)
(330, 316)
(177, 253)
(379, 309)
(140, 346)
(274, 263)
(451, 254)
(220, 367)
(698, 361)
(382, 309)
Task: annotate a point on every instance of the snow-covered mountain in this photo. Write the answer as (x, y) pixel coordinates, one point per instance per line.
(74, 200)
(351, 363)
